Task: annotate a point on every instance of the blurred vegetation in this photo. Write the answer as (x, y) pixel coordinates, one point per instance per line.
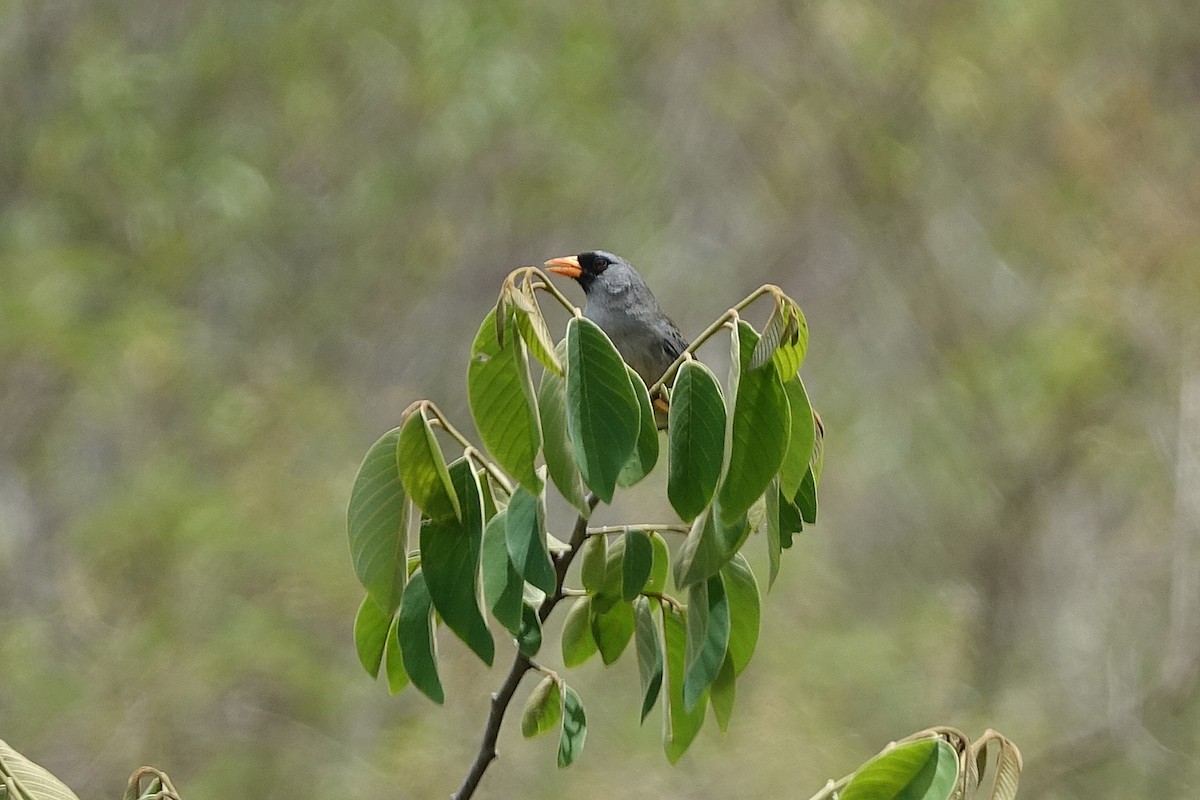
(236, 239)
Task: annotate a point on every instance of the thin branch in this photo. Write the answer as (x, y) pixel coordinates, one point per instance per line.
(549, 673)
(491, 731)
(665, 598)
(831, 788)
(648, 527)
(502, 698)
(166, 790)
(499, 477)
(549, 288)
(732, 315)
(543, 283)
(469, 449)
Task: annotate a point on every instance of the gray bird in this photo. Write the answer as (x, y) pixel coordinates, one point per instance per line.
(621, 303)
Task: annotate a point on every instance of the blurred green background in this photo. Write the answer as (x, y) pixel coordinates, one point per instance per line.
(237, 238)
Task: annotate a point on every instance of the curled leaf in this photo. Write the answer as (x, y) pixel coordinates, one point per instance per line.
(423, 469)
(533, 329)
(543, 709)
(500, 391)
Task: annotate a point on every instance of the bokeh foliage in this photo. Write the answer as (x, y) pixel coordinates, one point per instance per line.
(237, 238)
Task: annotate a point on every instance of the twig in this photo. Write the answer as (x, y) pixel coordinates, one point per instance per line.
(665, 598)
(502, 698)
(729, 316)
(831, 788)
(166, 791)
(549, 673)
(549, 288)
(655, 526)
(542, 282)
(469, 450)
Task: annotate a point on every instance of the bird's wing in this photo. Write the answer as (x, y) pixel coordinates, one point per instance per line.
(673, 343)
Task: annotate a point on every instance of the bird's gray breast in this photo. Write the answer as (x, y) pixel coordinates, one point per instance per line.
(635, 334)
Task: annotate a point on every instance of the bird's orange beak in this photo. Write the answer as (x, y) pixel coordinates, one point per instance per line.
(567, 265)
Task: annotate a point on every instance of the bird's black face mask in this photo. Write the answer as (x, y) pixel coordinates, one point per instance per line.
(592, 265)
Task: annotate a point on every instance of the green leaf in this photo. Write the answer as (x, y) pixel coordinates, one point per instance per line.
(736, 363)
(657, 582)
(612, 630)
(708, 547)
(774, 533)
(415, 630)
(771, 338)
(789, 521)
(543, 709)
(133, 791)
(806, 498)
(707, 637)
(602, 410)
(818, 457)
(784, 340)
(639, 560)
(804, 435)
(500, 391)
(783, 521)
(700, 555)
(722, 694)
(790, 354)
(40, 782)
(730, 535)
(578, 644)
(760, 428)
(574, 728)
(450, 555)
(557, 448)
(744, 597)
(695, 439)
(649, 652)
(529, 638)
(926, 769)
(502, 584)
(488, 494)
(502, 316)
(533, 328)
(370, 634)
(533, 596)
(377, 523)
(393, 659)
(680, 726)
(645, 454)
(423, 469)
(610, 588)
(594, 566)
(526, 537)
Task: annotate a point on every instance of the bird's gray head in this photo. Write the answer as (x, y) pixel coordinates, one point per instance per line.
(597, 269)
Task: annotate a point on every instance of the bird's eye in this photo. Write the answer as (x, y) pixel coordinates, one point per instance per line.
(599, 264)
